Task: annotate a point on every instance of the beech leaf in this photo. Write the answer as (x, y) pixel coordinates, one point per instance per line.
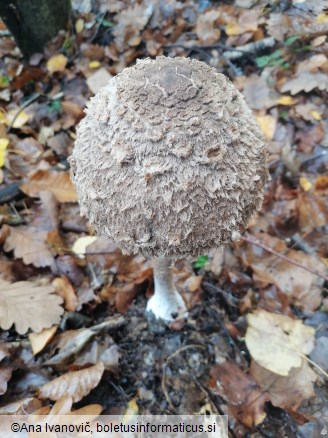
(76, 384)
(277, 342)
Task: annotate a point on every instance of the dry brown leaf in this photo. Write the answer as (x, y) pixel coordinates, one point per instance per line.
(130, 22)
(39, 340)
(58, 183)
(76, 384)
(286, 392)
(245, 399)
(71, 342)
(306, 81)
(206, 29)
(28, 305)
(247, 22)
(65, 290)
(21, 407)
(277, 342)
(30, 245)
(259, 93)
(98, 80)
(302, 287)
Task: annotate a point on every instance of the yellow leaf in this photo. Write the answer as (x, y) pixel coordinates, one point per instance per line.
(268, 125)
(131, 409)
(4, 142)
(17, 119)
(286, 100)
(94, 64)
(56, 63)
(316, 115)
(305, 184)
(39, 340)
(322, 18)
(79, 25)
(233, 29)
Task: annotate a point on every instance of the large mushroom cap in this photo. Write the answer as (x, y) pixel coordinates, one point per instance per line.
(169, 160)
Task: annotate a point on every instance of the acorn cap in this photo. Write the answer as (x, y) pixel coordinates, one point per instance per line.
(169, 159)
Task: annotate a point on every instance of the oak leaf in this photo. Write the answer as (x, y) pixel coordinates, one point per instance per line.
(29, 244)
(76, 384)
(58, 183)
(28, 305)
(277, 342)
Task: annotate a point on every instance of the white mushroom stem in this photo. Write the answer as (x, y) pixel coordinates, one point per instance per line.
(166, 303)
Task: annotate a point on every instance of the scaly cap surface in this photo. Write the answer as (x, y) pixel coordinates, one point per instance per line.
(169, 160)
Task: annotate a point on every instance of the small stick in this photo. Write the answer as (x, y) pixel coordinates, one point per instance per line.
(283, 257)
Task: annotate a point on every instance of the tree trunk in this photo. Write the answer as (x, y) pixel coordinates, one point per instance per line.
(34, 22)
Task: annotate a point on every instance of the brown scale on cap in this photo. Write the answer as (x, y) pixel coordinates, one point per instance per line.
(169, 160)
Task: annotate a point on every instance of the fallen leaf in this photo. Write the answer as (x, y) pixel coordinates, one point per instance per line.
(94, 64)
(247, 22)
(71, 342)
(130, 21)
(58, 183)
(303, 288)
(65, 290)
(21, 406)
(286, 392)
(286, 100)
(268, 125)
(206, 29)
(80, 245)
(39, 340)
(56, 63)
(28, 305)
(98, 80)
(306, 81)
(277, 342)
(29, 244)
(259, 93)
(76, 384)
(15, 118)
(246, 400)
(320, 353)
(305, 184)
(79, 25)
(4, 142)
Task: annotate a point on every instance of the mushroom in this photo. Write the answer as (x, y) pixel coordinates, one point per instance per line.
(170, 162)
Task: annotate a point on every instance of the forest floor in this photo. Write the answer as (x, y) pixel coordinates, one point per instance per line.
(74, 330)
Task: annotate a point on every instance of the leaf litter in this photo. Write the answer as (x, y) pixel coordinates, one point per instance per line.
(83, 301)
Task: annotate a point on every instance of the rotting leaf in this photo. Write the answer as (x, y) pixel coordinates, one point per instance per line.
(286, 392)
(302, 287)
(278, 342)
(28, 305)
(76, 384)
(245, 399)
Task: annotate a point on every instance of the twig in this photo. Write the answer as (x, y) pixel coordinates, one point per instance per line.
(28, 102)
(283, 257)
(233, 53)
(165, 365)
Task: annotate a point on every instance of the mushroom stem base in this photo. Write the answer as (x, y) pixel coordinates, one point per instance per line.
(166, 303)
